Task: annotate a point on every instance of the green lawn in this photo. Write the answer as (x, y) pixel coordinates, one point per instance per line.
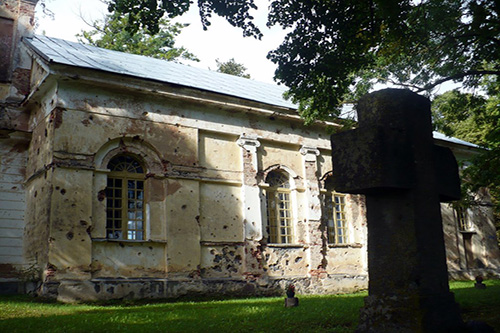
(315, 314)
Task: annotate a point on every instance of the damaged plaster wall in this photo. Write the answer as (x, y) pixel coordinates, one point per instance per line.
(471, 252)
(200, 182)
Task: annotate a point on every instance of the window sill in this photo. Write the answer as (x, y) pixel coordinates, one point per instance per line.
(290, 246)
(353, 245)
(107, 240)
(468, 232)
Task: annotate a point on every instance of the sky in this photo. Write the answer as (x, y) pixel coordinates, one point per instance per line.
(221, 41)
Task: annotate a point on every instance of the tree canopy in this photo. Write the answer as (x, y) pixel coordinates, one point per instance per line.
(337, 49)
(111, 33)
(232, 67)
(475, 118)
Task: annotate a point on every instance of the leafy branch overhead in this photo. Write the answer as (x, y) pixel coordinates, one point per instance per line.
(148, 13)
(338, 49)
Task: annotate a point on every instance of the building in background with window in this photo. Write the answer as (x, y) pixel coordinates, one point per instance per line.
(129, 177)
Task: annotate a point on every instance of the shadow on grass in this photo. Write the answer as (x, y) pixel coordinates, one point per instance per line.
(479, 304)
(315, 314)
(331, 313)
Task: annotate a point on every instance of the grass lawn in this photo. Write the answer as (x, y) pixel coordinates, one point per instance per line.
(315, 314)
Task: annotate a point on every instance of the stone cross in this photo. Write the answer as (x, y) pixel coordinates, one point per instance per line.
(392, 160)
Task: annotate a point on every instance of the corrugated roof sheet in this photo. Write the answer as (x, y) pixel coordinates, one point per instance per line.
(80, 55)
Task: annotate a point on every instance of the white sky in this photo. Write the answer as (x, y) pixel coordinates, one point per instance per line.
(221, 41)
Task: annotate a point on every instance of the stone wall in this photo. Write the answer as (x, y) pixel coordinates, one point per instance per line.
(472, 251)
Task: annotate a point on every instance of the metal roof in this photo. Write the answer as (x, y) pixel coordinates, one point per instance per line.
(441, 136)
(80, 55)
(54, 50)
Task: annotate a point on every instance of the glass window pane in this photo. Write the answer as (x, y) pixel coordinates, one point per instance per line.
(118, 224)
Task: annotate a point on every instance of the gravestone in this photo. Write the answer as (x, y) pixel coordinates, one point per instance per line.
(391, 159)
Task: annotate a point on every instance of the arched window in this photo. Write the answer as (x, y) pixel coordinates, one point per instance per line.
(279, 208)
(125, 199)
(335, 215)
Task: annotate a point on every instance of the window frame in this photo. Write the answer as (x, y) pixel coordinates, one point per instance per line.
(463, 219)
(138, 196)
(279, 209)
(337, 229)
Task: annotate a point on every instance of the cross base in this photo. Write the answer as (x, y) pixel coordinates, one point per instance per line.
(410, 313)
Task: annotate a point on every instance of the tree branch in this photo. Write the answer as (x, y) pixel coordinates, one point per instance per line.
(456, 77)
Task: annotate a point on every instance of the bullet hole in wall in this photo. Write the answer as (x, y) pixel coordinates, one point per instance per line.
(101, 195)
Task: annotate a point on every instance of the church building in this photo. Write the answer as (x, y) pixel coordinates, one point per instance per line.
(123, 176)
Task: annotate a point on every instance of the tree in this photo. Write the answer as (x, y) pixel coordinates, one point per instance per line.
(469, 117)
(338, 49)
(475, 118)
(232, 67)
(110, 33)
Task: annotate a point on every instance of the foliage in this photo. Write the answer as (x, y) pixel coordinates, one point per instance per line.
(148, 13)
(232, 67)
(328, 313)
(463, 115)
(338, 49)
(475, 118)
(111, 34)
(484, 172)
